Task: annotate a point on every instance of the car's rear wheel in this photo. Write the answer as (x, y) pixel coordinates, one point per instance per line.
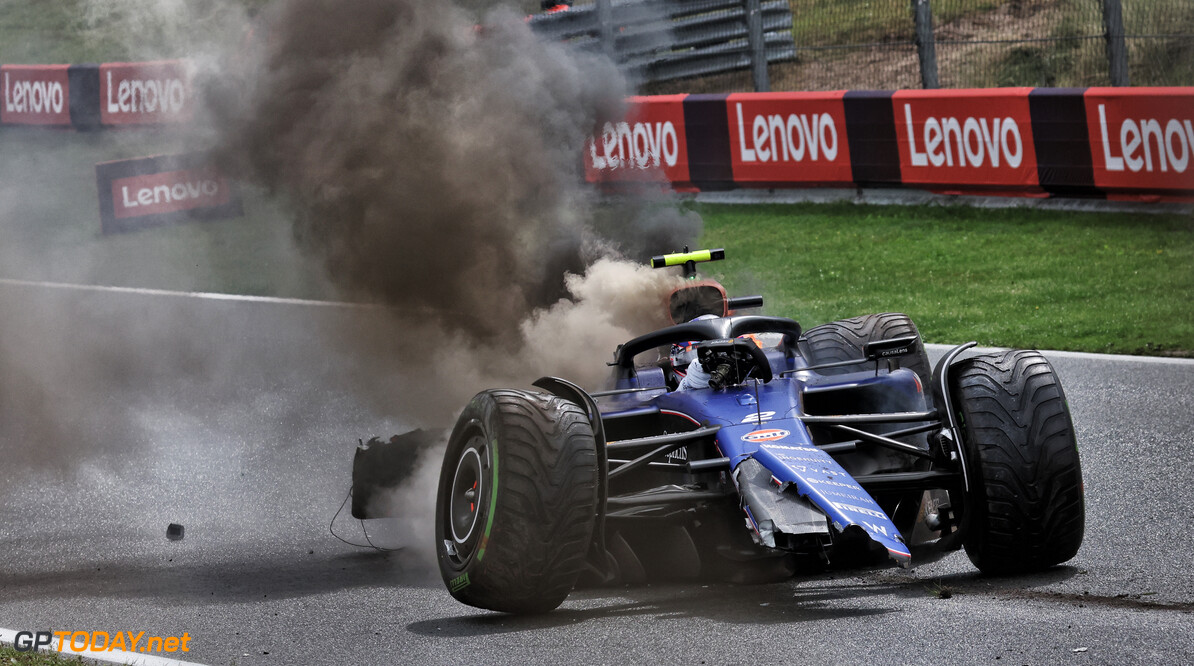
(1026, 495)
(843, 340)
(516, 505)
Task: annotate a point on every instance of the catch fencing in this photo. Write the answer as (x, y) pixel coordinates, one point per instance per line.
(888, 44)
(659, 41)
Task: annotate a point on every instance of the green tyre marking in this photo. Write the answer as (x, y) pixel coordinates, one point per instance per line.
(492, 502)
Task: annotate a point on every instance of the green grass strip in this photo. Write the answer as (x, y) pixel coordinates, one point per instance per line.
(1094, 282)
(9, 655)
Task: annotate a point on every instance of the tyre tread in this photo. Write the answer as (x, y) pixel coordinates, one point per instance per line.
(546, 504)
(1030, 514)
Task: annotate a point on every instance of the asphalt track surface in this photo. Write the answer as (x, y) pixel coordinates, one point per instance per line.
(251, 452)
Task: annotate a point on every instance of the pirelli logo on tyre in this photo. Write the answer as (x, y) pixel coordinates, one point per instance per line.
(768, 435)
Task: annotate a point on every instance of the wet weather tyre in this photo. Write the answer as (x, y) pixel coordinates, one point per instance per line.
(517, 501)
(843, 340)
(1026, 494)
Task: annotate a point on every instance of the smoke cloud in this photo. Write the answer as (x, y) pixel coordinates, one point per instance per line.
(428, 161)
(433, 164)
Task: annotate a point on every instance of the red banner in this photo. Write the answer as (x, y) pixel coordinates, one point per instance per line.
(649, 146)
(789, 138)
(1141, 138)
(145, 92)
(35, 95)
(971, 139)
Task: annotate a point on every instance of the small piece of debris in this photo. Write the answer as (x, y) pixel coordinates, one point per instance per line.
(174, 532)
(1081, 649)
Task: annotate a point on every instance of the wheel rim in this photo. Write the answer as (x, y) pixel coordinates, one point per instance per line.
(464, 506)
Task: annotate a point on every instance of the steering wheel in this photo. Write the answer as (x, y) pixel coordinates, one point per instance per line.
(733, 361)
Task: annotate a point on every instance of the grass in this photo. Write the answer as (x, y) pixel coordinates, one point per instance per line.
(1019, 278)
(10, 655)
(1095, 282)
(50, 226)
(78, 31)
(1025, 278)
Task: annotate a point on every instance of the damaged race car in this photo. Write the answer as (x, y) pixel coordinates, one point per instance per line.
(744, 448)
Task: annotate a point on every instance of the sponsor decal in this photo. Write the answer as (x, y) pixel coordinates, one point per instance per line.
(149, 191)
(859, 510)
(757, 417)
(800, 459)
(875, 528)
(900, 351)
(853, 498)
(789, 138)
(979, 138)
(680, 454)
(769, 435)
(1142, 138)
(649, 145)
(35, 94)
(801, 447)
(829, 482)
(145, 93)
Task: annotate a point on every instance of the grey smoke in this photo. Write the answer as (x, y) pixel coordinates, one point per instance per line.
(433, 164)
(424, 164)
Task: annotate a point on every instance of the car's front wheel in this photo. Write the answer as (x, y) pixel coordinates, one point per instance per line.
(1026, 494)
(516, 505)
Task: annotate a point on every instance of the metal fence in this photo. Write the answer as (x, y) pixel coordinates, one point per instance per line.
(705, 46)
(661, 41)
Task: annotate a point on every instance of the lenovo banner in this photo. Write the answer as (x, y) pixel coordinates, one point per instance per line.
(1141, 139)
(789, 138)
(966, 139)
(35, 95)
(151, 191)
(140, 93)
(648, 146)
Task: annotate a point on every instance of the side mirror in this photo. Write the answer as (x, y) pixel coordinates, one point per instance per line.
(885, 349)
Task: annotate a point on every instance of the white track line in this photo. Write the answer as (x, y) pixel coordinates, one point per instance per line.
(204, 295)
(8, 636)
(1121, 358)
(211, 296)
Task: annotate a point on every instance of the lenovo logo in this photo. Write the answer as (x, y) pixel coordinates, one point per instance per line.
(1146, 144)
(641, 145)
(141, 93)
(969, 142)
(776, 138)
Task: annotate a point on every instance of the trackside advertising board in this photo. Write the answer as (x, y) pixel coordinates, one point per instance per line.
(35, 95)
(786, 138)
(151, 191)
(650, 145)
(1142, 139)
(966, 139)
(1109, 143)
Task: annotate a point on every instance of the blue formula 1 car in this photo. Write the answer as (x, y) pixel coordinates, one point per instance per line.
(790, 450)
